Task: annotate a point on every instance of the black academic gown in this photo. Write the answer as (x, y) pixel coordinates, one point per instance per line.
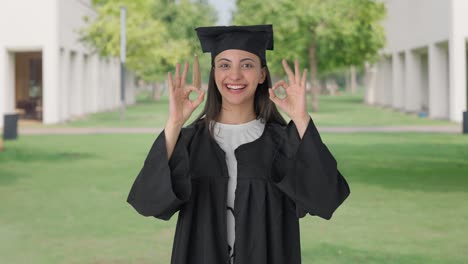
(280, 179)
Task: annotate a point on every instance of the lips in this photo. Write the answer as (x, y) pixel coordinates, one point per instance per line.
(236, 87)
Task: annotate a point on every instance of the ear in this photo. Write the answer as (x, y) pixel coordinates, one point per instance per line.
(262, 75)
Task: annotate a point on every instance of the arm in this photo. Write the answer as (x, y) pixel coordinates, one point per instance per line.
(180, 105)
(162, 185)
(307, 173)
(294, 104)
(171, 134)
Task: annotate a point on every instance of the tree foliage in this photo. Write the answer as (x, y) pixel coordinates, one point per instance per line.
(160, 33)
(324, 34)
(344, 32)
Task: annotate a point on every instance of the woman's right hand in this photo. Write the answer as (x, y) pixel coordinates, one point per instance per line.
(180, 105)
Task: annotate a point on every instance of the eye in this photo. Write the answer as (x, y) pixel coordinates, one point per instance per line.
(223, 66)
(248, 65)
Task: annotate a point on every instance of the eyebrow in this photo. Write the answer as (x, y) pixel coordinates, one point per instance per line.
(228, 60)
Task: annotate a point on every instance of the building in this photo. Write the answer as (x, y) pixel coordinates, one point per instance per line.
(46, 73)
(423, 68)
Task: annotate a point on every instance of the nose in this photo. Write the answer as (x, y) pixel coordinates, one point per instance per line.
(235, 73)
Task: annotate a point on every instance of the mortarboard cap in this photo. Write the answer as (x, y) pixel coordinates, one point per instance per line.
(255, 39)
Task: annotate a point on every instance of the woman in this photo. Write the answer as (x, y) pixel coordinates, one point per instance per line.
(239, 177)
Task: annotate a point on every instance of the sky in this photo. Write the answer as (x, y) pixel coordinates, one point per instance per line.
(224, 8)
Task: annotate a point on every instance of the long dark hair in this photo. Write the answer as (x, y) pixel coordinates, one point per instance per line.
(264, 108)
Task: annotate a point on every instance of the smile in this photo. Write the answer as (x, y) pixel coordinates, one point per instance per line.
(235, 86)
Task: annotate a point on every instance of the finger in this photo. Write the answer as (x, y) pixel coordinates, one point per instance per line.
(177, 77)
(304, 79)
(199, 99)
(184, 74)
(169, 80)
(272, 93)
(279, 83)
(297, 72)
(288, 72)
(276, 100)
(192, 88)
(196, 75)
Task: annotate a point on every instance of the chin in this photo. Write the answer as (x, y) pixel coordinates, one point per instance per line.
(238, 101)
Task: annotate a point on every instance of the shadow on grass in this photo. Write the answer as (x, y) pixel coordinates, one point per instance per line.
(420, 167)
(19, 154)
(326, 253)
(329, 105)
(9, 176)
(16, 156)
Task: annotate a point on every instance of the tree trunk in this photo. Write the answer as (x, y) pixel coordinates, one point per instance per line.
(348, 81)
(353, 80)
(156, 91)
(332, 86)
(315, 88)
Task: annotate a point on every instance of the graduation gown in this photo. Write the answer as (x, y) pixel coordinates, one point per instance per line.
(280, 179)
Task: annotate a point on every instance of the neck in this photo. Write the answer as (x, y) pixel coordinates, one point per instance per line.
(236, 114)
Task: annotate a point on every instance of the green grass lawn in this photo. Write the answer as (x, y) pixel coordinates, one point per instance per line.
(343, 110)
(63, 201)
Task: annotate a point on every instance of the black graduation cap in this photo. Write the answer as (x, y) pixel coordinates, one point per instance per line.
(255, 39)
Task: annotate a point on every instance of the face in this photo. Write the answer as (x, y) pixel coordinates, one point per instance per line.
(237, 75)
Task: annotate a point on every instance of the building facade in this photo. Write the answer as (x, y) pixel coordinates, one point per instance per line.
(46, 73)
(423, 68)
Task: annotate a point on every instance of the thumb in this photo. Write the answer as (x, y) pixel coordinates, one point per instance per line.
(199, 99)
(273, 97)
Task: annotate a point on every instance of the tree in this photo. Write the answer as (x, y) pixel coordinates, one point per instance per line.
(182, 18)
(331, 34)
(160, 33)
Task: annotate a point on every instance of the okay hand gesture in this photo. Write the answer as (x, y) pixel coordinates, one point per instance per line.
(180, 105)
(294, 104)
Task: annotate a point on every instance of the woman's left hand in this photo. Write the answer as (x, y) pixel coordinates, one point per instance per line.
(294, 104)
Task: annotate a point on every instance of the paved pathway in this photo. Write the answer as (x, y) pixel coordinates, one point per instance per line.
(146, 130)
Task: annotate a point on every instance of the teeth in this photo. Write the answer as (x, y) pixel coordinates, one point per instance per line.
(235, 87)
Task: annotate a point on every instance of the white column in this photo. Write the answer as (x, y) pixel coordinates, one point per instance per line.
(371, 83)
(112, 84)
(102, 87)
(398, 81)
(457, 51)
(129, 88)
(7, 83)
(109, 89)
(78, 86)
(424, 81)
(457, 74)
(380, 82)
(3, 82)
(64, 83)
(94, 82)
(51, 84)
(72, 87)
(116, 70)
(86, 95)
(438, 82)
(388, 82)
(51, 63)
(413, 87)
(116, 83)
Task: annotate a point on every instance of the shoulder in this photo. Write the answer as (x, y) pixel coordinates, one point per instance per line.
(284, 137)
(282, 132)
(192, 130)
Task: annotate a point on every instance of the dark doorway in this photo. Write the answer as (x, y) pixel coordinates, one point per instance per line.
(28, 85)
